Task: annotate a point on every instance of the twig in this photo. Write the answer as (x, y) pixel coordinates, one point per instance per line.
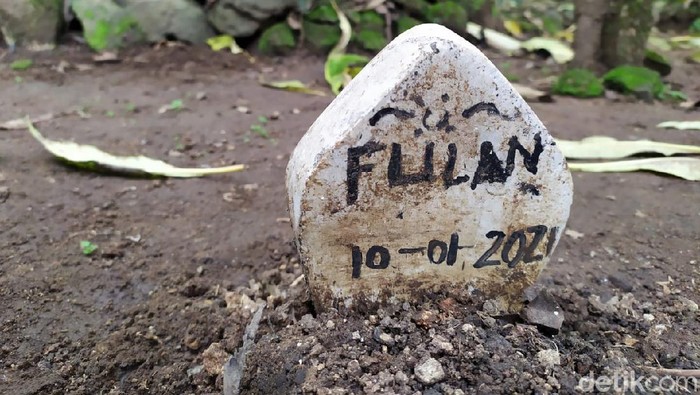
(695, 373)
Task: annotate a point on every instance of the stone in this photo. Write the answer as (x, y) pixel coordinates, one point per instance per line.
(242, 18)
(31, 24)
(182, 20)
(429, 371)
(214, 358)
(549, 358)
(277, 39)
(106, 25)
(544, 310)
(428, 172)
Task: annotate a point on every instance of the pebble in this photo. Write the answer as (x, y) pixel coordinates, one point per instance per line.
(213, 359)
(383, 338)
(354, 368)
(430, 371)
(467, 328)
(442, 344)
(549, 358)
(401, 378)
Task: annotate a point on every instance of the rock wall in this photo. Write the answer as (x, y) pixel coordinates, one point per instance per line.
(110, 24)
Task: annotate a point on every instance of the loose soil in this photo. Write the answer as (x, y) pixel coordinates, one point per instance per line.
(181, 264)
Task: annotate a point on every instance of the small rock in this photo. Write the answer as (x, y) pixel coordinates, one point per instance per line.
(4, 194)
(356, 335)
(160, 20)
(429, 372)
(242, 18)
(545, 311)
(383, 338)
(213, 359)
(549, 358)
(425, 318)
(648, 317)
(401, 378)
(468, 328)
(354, 368)
(442, 344)
(330, 324)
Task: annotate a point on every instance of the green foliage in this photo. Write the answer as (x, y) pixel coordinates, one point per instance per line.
(578, 83)
(695, 26)
(321, 37)
(370, 39)
(658, 62)
(406, 22)
(21, 64)
(635, 80)
(447, 13)
(277, 39)
(369, 27)
(87, 247)
(340, 68)
(323, 14)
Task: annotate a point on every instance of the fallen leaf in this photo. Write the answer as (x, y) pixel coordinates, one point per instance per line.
(345, 30)
(560, 51)
(494, 39)
(603, 147)
(106, 57)
(680, 125)
(292, 86)
(224, 42)
(513, 27)
(89, 156)
(686, 168)
(532, 94)
(21, 123)
(21, 64)
(573, 234)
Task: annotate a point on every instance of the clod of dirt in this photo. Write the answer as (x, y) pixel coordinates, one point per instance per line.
(4, 194)
(214, 358)
(430, 371)
(549, 358)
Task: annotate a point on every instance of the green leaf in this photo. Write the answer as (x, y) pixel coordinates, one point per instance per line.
(578, 83)
(292, 86)
(87, 247)
(90, 157)
(21, 64)
(686, 168)
(634, 79)
(337, 69)
(603, 147)
(224, 42)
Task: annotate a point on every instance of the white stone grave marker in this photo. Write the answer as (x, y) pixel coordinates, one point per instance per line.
(428, 172)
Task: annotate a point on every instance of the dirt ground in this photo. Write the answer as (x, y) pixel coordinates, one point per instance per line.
(164, 301)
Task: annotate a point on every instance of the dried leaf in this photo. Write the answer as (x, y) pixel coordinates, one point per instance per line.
(21, 123)
(680, 125)
(494, 39)
(87, 155)
(603, 147)
(292, 86)
(345, 30)
(686, 168)
(532, 94)
(560, 51)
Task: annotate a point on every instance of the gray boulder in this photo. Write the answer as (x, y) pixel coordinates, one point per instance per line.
(182, 19)
(106, 25)
(31, 24)
(242, 18)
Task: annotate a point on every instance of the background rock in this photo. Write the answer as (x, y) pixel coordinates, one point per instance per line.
(181, 19)
(32, 24)
(105, 24)
(242, 18)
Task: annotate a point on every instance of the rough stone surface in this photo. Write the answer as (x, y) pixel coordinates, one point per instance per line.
(180, 19)
(549, 358)
(428, 171)
(30, 24)
(242, 18)
(430, 371)
(106, 25)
